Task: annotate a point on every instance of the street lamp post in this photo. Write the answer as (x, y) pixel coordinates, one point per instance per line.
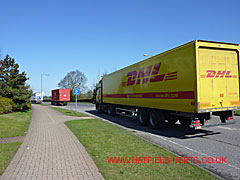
(147, 55)
(42, 85)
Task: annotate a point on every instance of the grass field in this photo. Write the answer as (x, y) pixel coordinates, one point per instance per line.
(69, 112)
(103, 140)
(14, 124)
(6, 153)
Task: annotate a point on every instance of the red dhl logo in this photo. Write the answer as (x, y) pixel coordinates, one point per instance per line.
(151, 72)
(218, 74)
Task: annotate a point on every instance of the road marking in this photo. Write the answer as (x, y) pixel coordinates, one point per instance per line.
(194, 135)
(190, 149)
(228, 128)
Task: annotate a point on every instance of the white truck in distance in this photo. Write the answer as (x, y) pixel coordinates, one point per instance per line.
(37, 98)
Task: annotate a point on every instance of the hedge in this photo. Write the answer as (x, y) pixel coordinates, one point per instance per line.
(6, 105)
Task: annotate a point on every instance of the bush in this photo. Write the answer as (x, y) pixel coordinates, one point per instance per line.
(6, 105)
(29, 106)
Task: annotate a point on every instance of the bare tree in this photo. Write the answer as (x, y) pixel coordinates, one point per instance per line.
(74, 79)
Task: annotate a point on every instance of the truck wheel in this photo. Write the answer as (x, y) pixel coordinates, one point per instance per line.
(111, 110)
(98, 108)
(202, 121)
(156, 119)
(185, 121)
(142, 117)
(223, 119)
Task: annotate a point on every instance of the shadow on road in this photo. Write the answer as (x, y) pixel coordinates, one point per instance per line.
(176, 131)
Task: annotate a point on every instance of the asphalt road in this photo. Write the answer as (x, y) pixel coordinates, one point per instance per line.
(210, 142)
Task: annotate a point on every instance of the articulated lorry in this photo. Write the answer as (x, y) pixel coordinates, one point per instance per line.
(189, 83)
(60, 96)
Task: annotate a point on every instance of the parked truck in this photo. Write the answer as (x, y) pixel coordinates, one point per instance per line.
(189, 83)
(37, 98)
(60, 96)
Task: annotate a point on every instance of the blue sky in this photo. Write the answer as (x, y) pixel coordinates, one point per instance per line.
(59, 36)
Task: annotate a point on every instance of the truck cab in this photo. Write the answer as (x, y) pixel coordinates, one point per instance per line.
(99, 95)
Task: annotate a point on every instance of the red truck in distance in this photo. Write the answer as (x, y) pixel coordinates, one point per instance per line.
(60, 96)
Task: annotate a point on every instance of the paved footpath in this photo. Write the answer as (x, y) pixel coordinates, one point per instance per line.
(50, 151)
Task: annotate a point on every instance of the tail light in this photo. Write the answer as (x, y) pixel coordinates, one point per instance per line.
(196, 123)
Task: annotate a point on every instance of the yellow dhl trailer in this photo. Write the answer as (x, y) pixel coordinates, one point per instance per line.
(189, 83)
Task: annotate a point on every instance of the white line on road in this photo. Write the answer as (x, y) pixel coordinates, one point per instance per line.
(228, 128)
(190, 149)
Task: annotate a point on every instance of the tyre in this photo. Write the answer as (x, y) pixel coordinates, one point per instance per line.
(202, 121)
(156, 119)
(98, 108)
(223, 119)
(111, 110)
(185, 121)
(142, 117)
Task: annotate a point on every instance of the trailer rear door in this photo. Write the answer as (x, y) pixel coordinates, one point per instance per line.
(218, 78)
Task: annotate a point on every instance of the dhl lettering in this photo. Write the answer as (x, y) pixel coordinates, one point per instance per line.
(218, 74)
(167, 95)
(142, 74)
(151, 72)
(131, 78)
(211, 74)
(171, 76)
(228, 76)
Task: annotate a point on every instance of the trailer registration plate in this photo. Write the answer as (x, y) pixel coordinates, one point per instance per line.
(198, 127)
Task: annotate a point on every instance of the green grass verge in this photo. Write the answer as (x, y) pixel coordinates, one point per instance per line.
(237, 113)
(70, 112)
(103, 140)
(14, 124)
(7, 151)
